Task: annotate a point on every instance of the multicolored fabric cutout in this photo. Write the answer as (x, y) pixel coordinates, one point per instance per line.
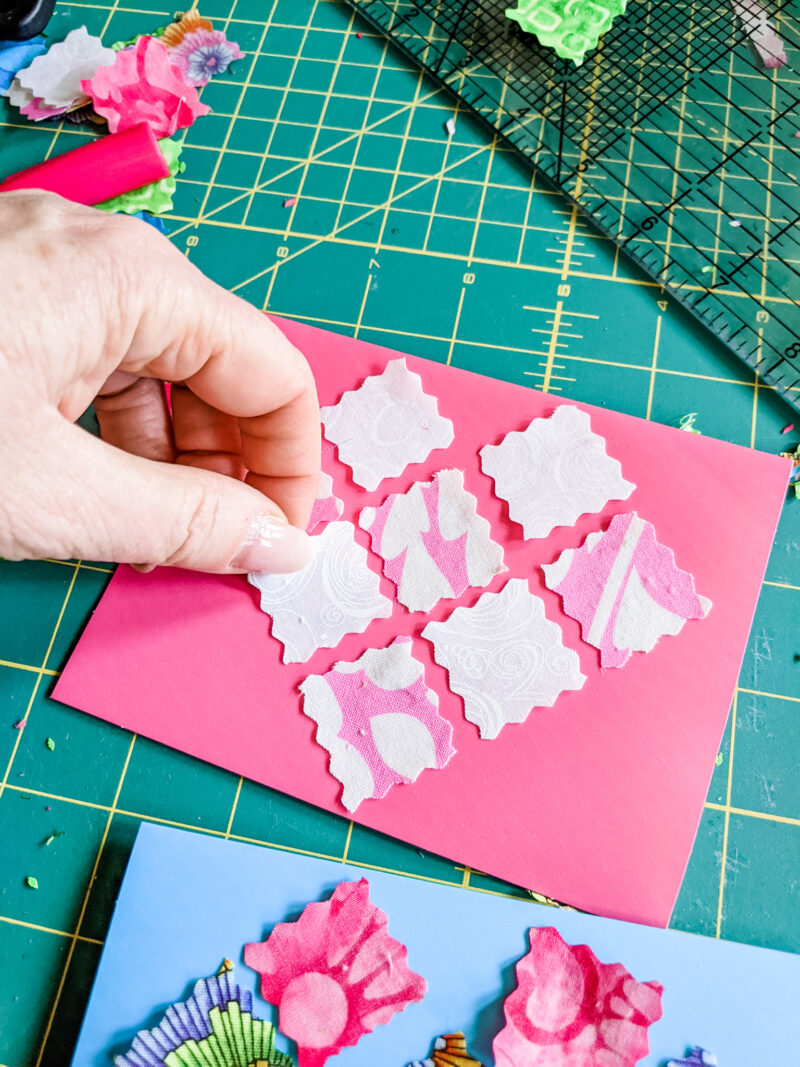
(503, 657)
(156, 197)
(142, 85)
(327, 507)
(450, 1050)
(571, 1010)
(378, 720)
(386, 424)
(215, 1025)
(336, 594)
(698, 1057)
(433, 542)
(186, 24)
(625, 589)
(554, 471)
(335, 974)
(54, 78)
(203, 54)
(15, 56)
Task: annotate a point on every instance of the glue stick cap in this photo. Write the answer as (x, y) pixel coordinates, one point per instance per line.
(110, 166)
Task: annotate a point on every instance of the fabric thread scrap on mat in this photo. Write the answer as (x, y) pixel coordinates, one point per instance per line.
(215, 1025)
(449, 1050)
(336, 594)
(554, 471)
(625, 589)
(504, 657)
(327, 507)
(433, 542)
(378, 720)
(335, 974)
(570, 1010)
(384, 425)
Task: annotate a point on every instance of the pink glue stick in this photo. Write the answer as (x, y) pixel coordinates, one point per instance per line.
(109, 166)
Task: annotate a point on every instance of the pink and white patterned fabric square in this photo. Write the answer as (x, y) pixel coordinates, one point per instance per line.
(334, 595)
(554, 471)
(334, 974)
(327, 507)
(433, 542)
(504, 657)
(385, 424)
(625, 589)
(571, 1010)
(378, 720)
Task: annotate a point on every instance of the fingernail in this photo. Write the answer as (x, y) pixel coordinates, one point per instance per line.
(274, 546)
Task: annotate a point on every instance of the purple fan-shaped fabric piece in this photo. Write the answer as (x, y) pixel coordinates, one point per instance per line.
(184, 1021)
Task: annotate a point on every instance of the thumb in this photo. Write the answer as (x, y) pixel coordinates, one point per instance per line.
(95, 501)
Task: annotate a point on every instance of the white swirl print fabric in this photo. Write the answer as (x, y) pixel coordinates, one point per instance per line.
(554, 471)
(336, 594)
(504, 657)
(378, 720)
(384, 425)
(433, 542)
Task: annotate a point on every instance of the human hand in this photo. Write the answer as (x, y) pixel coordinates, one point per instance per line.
(101, 308)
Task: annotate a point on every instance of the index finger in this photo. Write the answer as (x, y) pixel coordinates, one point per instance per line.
(186, 328)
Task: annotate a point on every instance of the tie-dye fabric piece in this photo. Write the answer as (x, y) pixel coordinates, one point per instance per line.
(625, 589)
(215, 1025)
(698, 1057)
(571, 1010)
(335, 974)
(378, 720)
(554, 471)
(432, 541)
(389, 422)
(327, 507)
(334, 595)
(504, 657)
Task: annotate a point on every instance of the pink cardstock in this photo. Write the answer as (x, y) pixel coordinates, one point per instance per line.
(594, 801)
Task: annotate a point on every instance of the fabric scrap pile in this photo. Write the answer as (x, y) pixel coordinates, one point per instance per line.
(153, 79)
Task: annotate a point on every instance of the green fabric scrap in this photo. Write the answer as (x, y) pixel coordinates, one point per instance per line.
(156, 197)
(570, 27)
(31, 882)
(50, 744)
(117, 46)
(236, 1039)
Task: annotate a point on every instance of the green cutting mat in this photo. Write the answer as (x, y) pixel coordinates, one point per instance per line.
(438, 246)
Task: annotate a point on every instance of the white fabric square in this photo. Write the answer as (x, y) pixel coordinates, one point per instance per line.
(432, 540)
(386, 424)
(378, 720)
(336, 594)
(554, 471)
(504, 657)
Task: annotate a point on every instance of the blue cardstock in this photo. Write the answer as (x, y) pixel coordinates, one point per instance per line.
(189, 900)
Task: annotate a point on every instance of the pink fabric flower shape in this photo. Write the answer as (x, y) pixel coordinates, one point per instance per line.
(204, 53)
(141, 85)
(571, 1010)
(335, 974)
